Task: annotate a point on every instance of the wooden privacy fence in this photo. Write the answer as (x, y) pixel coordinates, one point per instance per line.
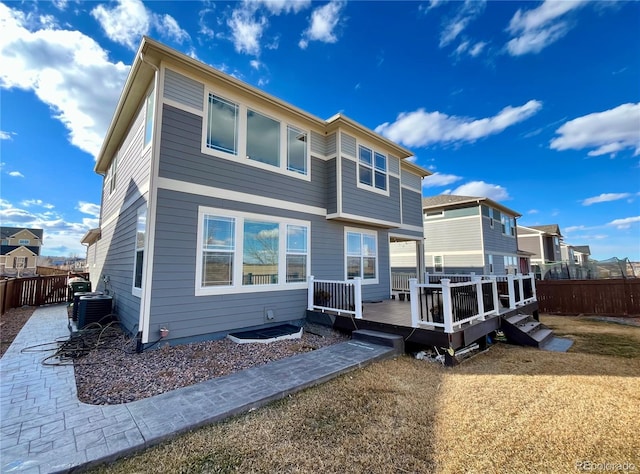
(616, 297)
(34, 291)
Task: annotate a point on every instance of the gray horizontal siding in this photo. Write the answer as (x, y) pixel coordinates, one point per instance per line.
(181, 159)
(457, 263)
(347, 144)
(318, 144)
(173, 300)
(411, 180)
(452, 235)
(332, 189)
(495, 240)
(411, 207)
(394, 165)
(331, 145)
(183, 89)
(362, 202)
(133, 170)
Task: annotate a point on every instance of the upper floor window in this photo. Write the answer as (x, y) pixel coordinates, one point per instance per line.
(372, 168)
(24, 242)
(246, 252)
(433, 214)
(148, 119)
(508, 225)
(112, 174)
(238, 131)
(362, 255)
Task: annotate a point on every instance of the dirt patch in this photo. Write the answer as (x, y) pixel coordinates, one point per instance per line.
(11, 323)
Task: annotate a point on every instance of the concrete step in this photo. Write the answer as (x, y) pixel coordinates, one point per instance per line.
(542, 336)
(380, 338)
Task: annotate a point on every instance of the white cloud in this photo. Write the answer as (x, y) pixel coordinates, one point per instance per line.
(129, 20)
(255, 64)
(439, 179)
(605, 197)
(15, 174)
(624, 223)
(276, 7)
(37, 202)
(535, 29)
(246, 31)
(468, 12)
(609, 132)
(323, 23)
(89, 208)
(422, 128)
(66, 70)
(125, 23)
(482, 189)
(533, 211)
(6, 135)
(573, 228)
(477, 48)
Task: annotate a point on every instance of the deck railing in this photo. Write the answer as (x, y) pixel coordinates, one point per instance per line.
(400, 281)
(336, 296)
(449, 305)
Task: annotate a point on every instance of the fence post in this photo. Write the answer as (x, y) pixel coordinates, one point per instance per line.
(479, 295)
(358, 296)
(446, 305)
(310, 294)
(415, 303)
(512, 291)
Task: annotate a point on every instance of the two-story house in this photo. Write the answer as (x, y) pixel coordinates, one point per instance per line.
(19, 250)
(544, 242)
(220, 200)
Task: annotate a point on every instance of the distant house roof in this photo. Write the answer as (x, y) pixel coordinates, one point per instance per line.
(8, 232)
(453, 200)
(582, 249)
(551, 229)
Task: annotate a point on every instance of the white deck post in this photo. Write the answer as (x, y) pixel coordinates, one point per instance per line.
(512, 291)
(310, 294)
(478, 282)
(533, 286)
(496, 297)
(357, 289)
(521, 285)
(415, 305)
(447, 307)
(426, 278)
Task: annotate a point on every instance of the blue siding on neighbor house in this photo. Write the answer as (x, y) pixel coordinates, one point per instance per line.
(411, 207)
(184, 90)
(174, 303)
(181, 159)
(368, 204)
(495, 240)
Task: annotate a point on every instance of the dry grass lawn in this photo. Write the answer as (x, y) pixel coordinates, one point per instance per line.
(510, 409)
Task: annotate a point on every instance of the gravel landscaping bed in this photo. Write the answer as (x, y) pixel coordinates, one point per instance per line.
(112, 372)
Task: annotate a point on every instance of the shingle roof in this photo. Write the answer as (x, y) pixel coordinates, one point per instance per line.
(7, 232)
(450, 200)
(553, 229)
(582, 249)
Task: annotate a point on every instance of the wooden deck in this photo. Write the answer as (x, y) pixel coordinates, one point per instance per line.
(394, 316)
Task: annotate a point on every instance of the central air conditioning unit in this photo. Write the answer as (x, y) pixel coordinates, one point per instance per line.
(94, 309)
(76, 301)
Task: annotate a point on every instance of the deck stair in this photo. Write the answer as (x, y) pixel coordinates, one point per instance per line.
(525, 330)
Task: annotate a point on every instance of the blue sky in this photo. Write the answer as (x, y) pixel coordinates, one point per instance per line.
(533, 104)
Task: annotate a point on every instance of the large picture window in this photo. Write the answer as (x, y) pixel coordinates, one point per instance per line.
(222, 130)
(362, 255)
(372, 168)
(237, 132)
(242, 252)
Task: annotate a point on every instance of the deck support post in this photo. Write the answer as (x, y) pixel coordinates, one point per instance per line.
(496, 297)
(446, 305)
(414, 301)
(512, 291)
(521, 285)
(310, 294)
(479, 295)
(357, 290)
(533, 286)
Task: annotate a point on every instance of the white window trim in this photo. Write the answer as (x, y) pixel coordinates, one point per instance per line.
(24, 242)
(237, 287)
(373, 233)
(241, 155)
(372, 188)
(150, 93)
(135, 291)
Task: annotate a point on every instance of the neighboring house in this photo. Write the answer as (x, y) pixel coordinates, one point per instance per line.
(581, 254)
(220, 200)
(542, 241)
(19, 250)
(465, 234)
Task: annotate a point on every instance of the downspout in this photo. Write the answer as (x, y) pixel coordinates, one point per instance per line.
(145, 297)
